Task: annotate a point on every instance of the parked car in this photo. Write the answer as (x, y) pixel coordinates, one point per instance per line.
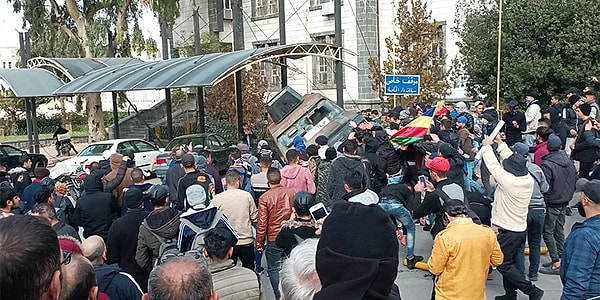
(145, 153)
(218, 146)
(9, 157)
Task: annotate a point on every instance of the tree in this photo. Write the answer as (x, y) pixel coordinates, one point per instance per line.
(81, 29)
(416, 48)
(547, 46)
(220, 99)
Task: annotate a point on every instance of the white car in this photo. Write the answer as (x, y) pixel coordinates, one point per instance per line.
(144, 153)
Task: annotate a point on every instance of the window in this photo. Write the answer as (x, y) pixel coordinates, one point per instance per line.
(9, 63)
(227, 4)
(316, 3)
(95, 150)
(125, 147)
(213, 143)
(270, 70)
(143, 146)
(221, 140)
(10, 151)
(323, 68)
(3, 65)
(264, 8)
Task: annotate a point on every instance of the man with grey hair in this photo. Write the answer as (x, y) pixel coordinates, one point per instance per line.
(298, 278)
(181, 278)
(111, 281)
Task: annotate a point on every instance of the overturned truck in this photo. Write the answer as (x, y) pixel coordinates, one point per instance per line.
(309, 116)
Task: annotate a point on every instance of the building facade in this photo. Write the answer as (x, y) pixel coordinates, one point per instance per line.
(365, 26)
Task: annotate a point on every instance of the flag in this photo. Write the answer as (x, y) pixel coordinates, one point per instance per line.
(416, 130)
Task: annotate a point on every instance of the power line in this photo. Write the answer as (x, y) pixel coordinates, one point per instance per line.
(359, 28)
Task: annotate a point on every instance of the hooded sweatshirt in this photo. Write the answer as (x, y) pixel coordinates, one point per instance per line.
(561, 175)
(164, 223)
(116, 284)
(115, 164)
(96, 209)
(19, 183)
(341, 167)
(298, 178)
(456, 173)
(540, 150)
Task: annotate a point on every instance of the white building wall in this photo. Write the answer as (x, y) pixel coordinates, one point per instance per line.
(9, 57)
(298, 30)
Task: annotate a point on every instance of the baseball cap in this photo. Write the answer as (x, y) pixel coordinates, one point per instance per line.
(513, 103)
(244, 148)
(187, 160)
(573, 90)
(438, 165)
(200, 161)
(322, 140)
(520, 148)
(462, 120)
(461, 104)
(591, 188)
(554, 143)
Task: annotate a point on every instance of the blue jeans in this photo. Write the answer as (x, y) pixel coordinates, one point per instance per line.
(274, 257)
(535, 227)
(403, 216)
(470, 184)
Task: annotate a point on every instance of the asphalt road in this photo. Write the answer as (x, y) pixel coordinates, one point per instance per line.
(416, 284)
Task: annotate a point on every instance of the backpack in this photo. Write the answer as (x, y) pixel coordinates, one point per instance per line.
(168, 247)
(246, 171)
(198, 242)
(470, 213)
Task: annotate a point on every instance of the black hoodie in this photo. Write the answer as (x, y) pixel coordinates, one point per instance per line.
(456, 173)
(96, 209)
(561, 175)
(116, 284)
(341, 167)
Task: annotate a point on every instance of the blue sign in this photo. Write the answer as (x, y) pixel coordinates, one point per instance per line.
(406, 85)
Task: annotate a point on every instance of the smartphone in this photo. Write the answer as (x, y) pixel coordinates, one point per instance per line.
(318, 211)
(423, 180)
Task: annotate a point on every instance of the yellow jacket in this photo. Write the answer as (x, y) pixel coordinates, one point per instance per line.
(461, 257)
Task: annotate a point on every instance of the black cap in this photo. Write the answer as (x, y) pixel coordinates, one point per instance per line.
(133, 198)
(516, 164)
(513, 103)
(573, 90)
(302, 203)
(591, 188)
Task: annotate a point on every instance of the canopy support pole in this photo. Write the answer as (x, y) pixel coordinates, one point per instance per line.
(200, 119)
(36, 133)
(28, 122)
(115, 115)
(238, 44)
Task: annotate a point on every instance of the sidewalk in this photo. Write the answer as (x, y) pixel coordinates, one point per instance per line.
(50, 153)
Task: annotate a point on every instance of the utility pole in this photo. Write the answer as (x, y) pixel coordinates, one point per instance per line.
(238, 44)
(29, 102)
(164, 34)
(111, 53)
(201, 121)
(339, 67)
(282, 41)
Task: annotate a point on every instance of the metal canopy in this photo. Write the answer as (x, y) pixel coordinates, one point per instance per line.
(197, 71)
(72, 68)
(31, 82)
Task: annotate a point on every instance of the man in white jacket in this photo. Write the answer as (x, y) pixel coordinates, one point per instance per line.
(509, 214)
(532, 115)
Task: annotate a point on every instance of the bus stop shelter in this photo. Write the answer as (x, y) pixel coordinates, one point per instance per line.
(84, 76)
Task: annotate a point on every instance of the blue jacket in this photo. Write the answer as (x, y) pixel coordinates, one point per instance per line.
(116, 284)
(580, 266)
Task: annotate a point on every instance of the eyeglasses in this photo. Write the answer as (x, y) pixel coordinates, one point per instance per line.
(66, 258)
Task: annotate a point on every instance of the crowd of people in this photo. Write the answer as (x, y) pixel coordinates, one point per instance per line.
(482, 199)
